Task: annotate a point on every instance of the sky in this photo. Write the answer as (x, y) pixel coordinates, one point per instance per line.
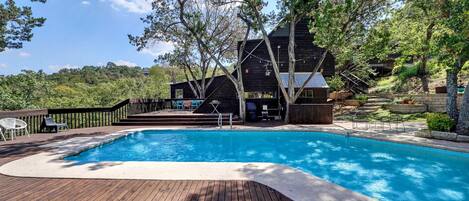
(84, 32)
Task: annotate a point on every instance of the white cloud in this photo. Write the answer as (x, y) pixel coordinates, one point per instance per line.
(59, 67)
(133, 6)
(125, 63)
(24, 54)
(3, 66)
(85, 3)
(158, 48)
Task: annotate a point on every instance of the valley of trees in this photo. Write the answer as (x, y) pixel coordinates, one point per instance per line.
(90, 86)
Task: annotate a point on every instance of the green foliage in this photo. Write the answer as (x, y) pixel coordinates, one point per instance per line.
(354, 41)
(440, 122)
(90, 86)
(407, 72)
(16, 24)
(362, 98)
(381, 114)
(335, 83)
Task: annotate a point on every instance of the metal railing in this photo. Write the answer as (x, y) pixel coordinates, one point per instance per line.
(220, 120)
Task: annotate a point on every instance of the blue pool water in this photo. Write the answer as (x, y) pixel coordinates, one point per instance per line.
(383, 170)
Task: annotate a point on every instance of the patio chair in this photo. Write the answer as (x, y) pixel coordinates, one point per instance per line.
(13, 125)
(179, 105)
(187, 104)
(356, 121)
(196, 104)
(3, 136)
(396, 119)
(49, 124)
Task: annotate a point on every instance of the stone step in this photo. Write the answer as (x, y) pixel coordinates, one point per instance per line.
(369, 107)
(374, 100)
(376, 104)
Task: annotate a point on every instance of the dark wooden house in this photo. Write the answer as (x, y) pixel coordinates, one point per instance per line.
(261, 87)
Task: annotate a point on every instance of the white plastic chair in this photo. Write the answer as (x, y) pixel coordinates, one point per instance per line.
(3, 136)
(13, 125)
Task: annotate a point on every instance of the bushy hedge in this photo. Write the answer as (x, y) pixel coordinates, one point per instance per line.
(440, 122)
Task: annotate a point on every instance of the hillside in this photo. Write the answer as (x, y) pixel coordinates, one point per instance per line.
(90, 86)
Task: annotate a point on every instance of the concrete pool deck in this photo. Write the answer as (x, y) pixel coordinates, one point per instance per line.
(288, 181)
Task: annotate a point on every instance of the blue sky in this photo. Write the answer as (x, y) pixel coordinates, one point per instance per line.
(84, 32)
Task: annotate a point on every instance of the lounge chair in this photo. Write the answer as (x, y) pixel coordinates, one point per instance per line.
(13, 125)
(49, 124)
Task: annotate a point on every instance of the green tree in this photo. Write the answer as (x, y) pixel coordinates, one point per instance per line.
(412, 28)
(453, 46)
(16, 24)
(215, 28)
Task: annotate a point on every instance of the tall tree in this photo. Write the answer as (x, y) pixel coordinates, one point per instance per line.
(187, 54)
(338, 26)
(16, 24)
(215, 28)
(454, 52)
(292, 11)
(413, 27)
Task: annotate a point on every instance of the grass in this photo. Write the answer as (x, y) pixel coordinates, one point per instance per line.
(386, 84)
(383, 113)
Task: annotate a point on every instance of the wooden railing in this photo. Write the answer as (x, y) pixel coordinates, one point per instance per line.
(88, 117)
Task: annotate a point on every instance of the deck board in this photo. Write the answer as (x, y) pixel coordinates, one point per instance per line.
(21, 188)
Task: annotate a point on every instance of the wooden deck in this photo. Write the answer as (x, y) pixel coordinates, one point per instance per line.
(16, 188)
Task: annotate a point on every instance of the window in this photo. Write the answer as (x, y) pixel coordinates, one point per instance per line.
(260, 94)
(307, 93)
(179, 93)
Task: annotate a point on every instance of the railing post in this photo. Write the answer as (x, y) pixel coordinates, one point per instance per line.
(231, 120)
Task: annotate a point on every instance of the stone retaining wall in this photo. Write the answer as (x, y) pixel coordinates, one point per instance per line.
(434, 102)
(407, 108)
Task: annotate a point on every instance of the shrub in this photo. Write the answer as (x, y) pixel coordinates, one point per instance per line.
(335, 83)
(361, 98)
(408, 72)
(440, 122)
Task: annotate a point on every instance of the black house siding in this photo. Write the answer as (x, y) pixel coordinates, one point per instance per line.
(254, 68)
(307, 55)
(187, 91)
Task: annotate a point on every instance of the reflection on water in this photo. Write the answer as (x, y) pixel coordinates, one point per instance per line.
(386, 171)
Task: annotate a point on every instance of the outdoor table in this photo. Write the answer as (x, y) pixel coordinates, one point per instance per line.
(215, 105)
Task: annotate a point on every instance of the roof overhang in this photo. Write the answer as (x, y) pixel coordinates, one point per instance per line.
(317, 81)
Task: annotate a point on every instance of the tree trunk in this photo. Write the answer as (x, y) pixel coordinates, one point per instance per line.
(291, 68)
(422, 73)
(242, 102)
(463, 123)
(422, 70)
(452, 89)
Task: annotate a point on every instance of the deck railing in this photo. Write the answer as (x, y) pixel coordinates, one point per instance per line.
(88, 117)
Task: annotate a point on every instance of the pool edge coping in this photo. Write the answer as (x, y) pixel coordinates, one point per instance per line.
(332, 130)
(301, 185)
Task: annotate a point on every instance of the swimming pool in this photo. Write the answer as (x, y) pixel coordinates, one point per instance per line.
(383, 170)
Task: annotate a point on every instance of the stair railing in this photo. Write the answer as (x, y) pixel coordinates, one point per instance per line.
(220, 120)
(231, 120)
